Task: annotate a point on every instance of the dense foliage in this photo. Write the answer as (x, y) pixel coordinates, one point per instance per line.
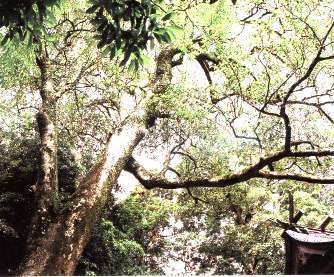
(222, 232)
(122, 26)
(236, 115)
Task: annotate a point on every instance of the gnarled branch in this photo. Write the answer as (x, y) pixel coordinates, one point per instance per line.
(150, 181)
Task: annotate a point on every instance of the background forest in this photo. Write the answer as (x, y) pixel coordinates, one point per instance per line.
(162, 137)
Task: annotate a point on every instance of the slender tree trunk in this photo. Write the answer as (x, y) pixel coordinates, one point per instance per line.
(63, 242)
(46, 191)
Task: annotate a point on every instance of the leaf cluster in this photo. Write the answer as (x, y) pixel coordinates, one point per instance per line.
(128, 27)
(19, 16)
(127, 241)
(120, 26)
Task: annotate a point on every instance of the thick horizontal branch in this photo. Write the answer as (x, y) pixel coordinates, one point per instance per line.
(304, 154)
(296, 177)
(150, 181)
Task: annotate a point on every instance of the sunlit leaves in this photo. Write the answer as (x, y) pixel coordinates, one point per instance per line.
(130, 236)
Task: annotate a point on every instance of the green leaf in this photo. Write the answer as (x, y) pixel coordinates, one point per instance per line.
(92, 9)
(170, 33)
(113, 52)
(126, 56)
(101, 43)
(175, 28)
(98, 21)
(4, 40)
(158, 37)
(166, 37)
(132, 65)
(21, 36)
(146, 60)
(30, 38)
(168, 16)
(106, 51)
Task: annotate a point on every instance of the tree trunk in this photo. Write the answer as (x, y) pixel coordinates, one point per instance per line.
(46, 189)
(58, 250)
(59, 237)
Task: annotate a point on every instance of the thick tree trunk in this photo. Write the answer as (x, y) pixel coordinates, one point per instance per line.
(58, 250)
(58, 238)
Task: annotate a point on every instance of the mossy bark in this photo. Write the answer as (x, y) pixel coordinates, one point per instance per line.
(59, 248)
(59, 237)
(46, 189)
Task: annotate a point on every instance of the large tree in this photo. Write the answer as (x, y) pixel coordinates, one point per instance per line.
(266, 87)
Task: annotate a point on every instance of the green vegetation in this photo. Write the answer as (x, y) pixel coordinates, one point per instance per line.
(196, 117)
